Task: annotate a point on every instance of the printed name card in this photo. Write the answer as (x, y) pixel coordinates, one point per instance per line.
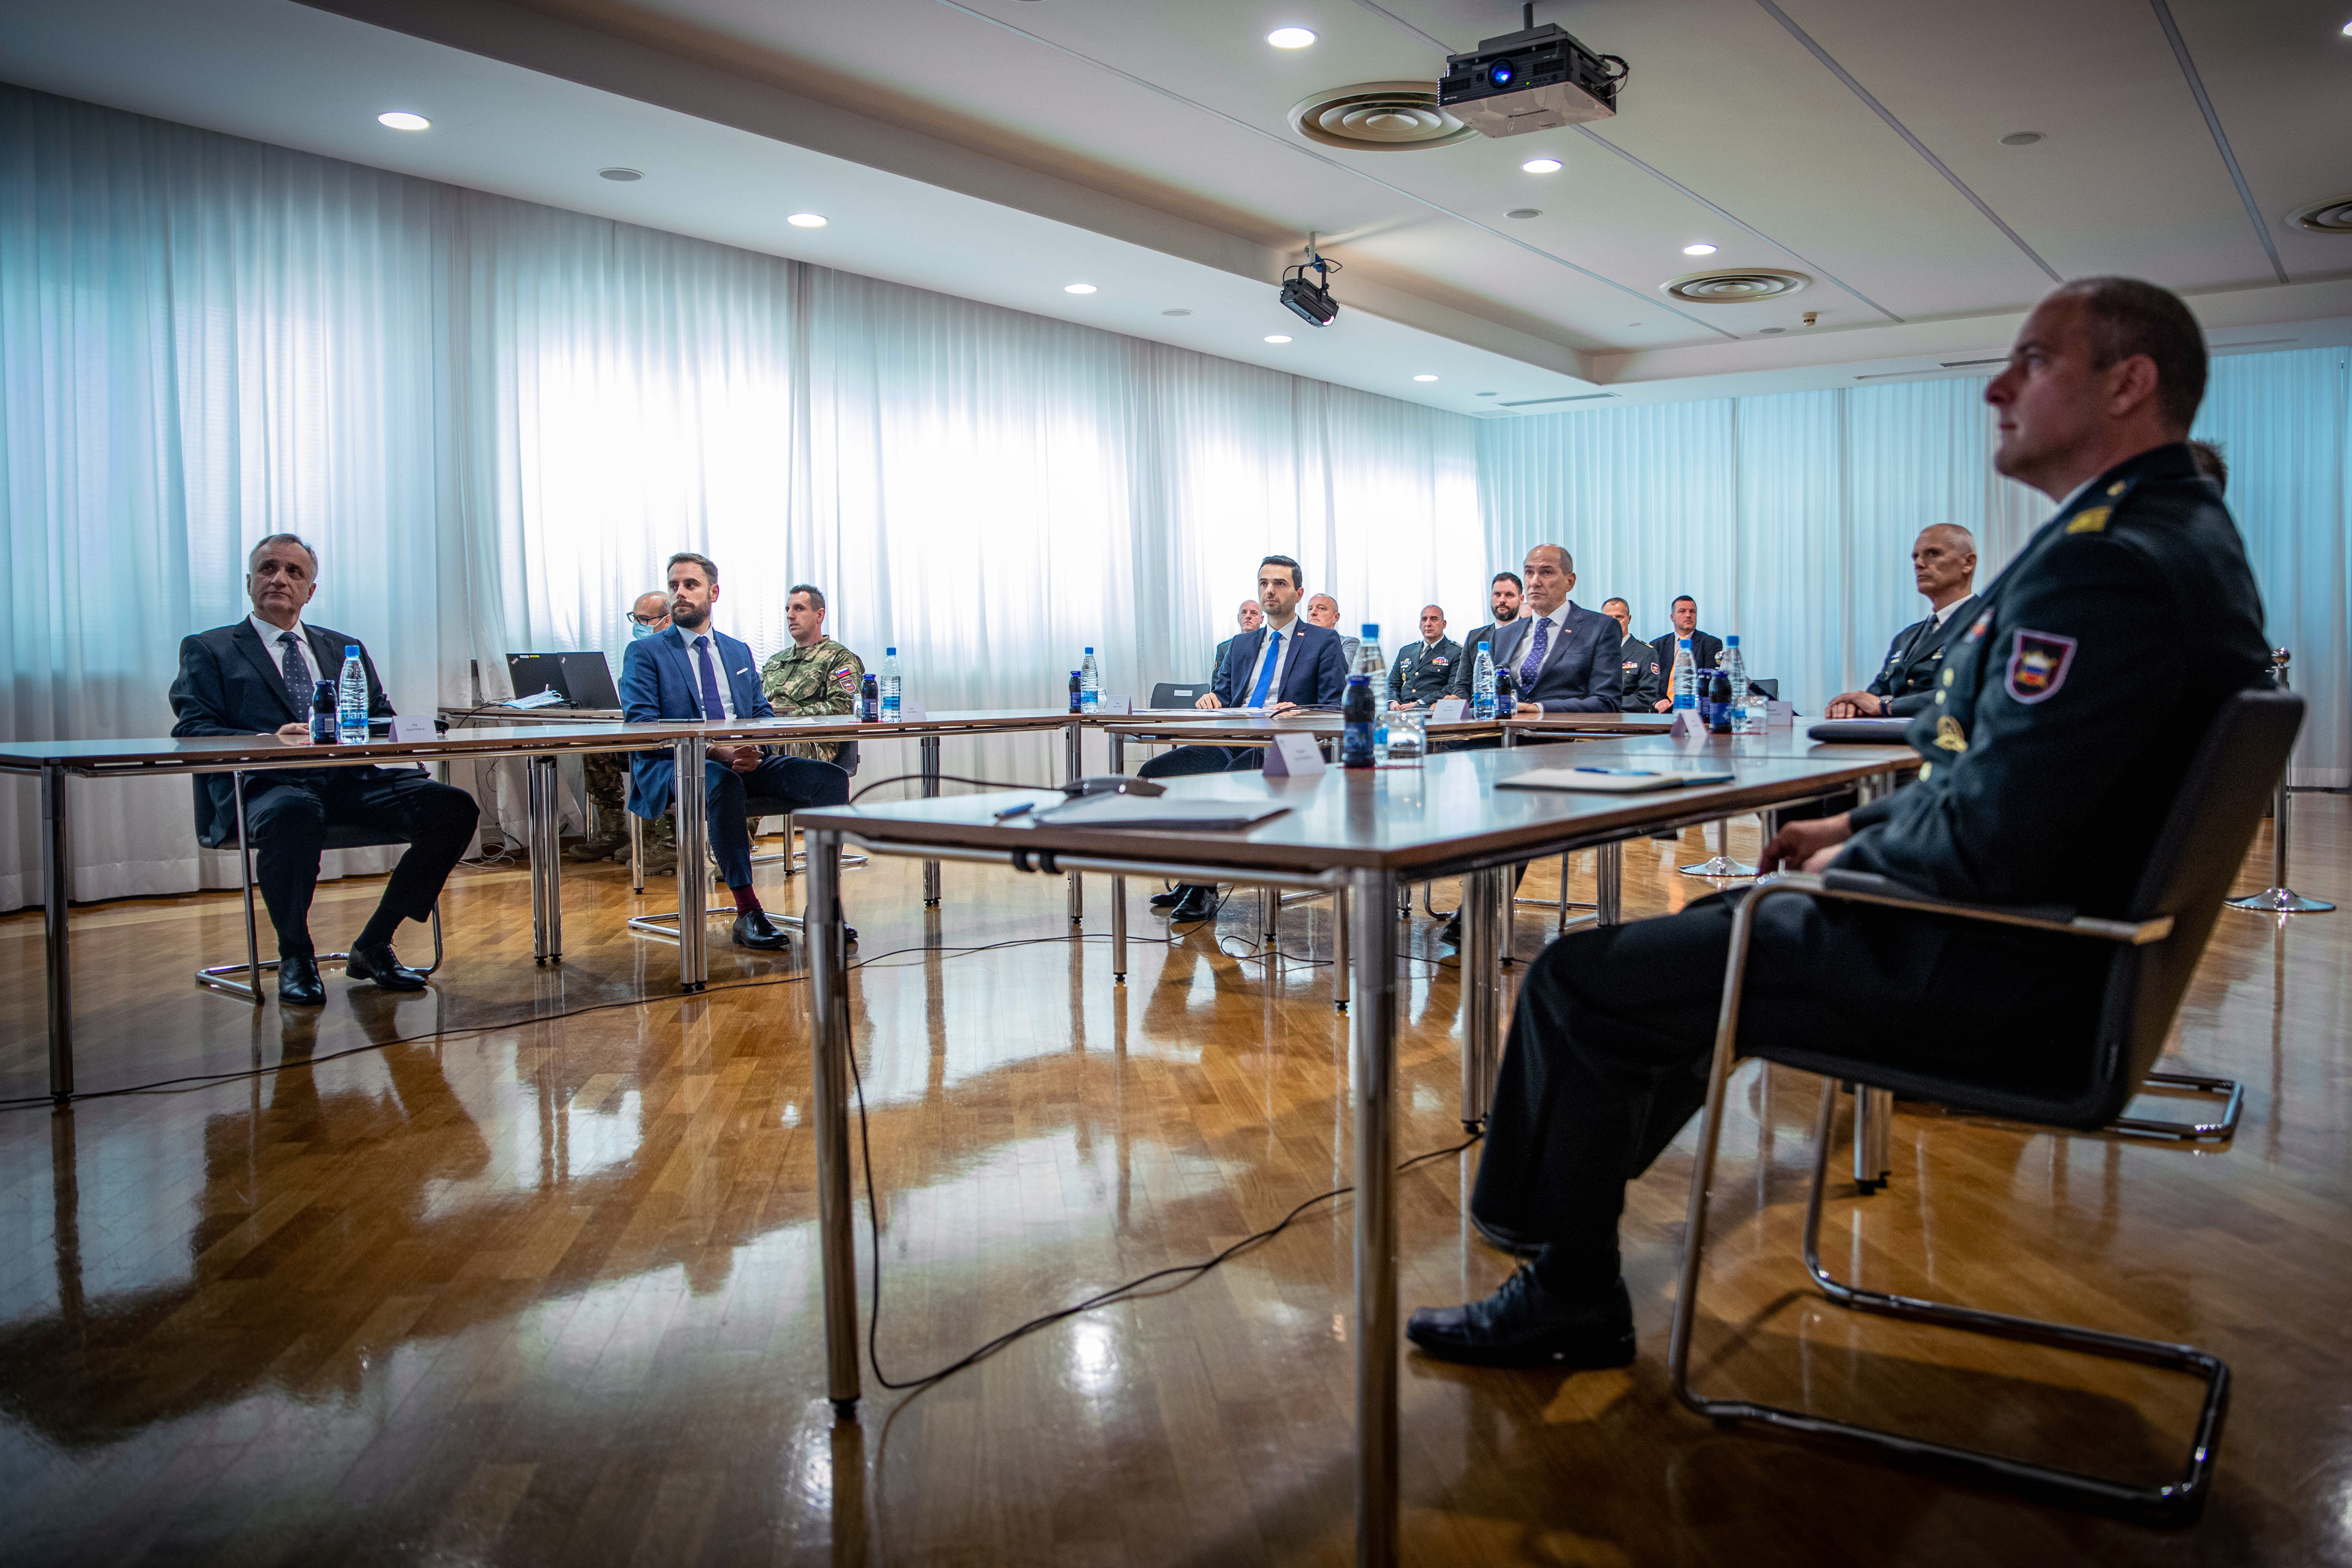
(406, 730)
(1294, 756)
(1449, 710)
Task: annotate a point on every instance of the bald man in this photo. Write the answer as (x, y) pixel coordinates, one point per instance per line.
(1944, 566)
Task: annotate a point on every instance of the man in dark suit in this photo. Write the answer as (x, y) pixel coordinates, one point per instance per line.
(1504, 595)
(1249, 617)
(1564, 656)
(1706, 647)
(257, 677)
(1287, 663)
(1644, 682)
(2061, 727)
(693, 671)
(1424, 670)
(1944, 567)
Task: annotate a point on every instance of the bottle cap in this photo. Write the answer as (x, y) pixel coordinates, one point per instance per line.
(1090, 653)
(887, 652)
(1732, 640)
(350, 650)
(1371, 631)
(1359, 680)
(1484, 646)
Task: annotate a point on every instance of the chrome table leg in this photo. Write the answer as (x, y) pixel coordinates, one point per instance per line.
(693, 877)
(837, 1237)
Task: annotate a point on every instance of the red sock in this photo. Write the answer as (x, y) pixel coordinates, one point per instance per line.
(747, 903)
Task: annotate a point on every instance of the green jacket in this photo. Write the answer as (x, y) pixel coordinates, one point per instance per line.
(821, 678)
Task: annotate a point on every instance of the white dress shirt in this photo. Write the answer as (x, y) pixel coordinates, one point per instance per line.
(1940, 616)
(269, 636)
(1288, 645)
(717, 667)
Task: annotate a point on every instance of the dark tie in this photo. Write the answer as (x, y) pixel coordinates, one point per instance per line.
(298, 675)
(712, 709)
(1535, 658)
(1266, 675)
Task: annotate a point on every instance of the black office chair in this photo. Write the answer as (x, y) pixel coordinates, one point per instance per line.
(2159, 940)
(1178, 693)
(217, 829)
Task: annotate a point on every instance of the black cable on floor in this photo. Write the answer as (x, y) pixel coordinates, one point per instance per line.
(943, 778)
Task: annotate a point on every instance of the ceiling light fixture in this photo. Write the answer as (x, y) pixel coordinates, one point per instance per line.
(1077, 287)
(1525, 212)
(806, 220)
(621, 174)
(1541, 165)
(1277, 337)
(2020, 138)
(1701, 248)
(1425, 378)
(401, 120)
(1290, 37)
(1175, 312)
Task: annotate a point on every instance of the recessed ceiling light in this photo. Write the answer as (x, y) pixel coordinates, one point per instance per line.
(1290, 37)
(401, 120)
(1486, 394)
(1175, 312)
(624, 175)
(1525, 212)
(1541, 165)
(1077, 287)
(1767, 331)
(1277, 338)
(806, 220)
(2020, 138)
(1425, 378)
(1632, 323)
(1701, 248)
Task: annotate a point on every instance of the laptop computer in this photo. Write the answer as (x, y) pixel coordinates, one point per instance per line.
(581, 680)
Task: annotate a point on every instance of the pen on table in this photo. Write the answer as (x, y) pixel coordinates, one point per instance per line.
(1016, 810)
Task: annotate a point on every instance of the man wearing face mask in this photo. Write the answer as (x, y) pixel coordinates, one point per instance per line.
(607, 771)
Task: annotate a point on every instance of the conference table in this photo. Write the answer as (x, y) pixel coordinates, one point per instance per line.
(1357, 832)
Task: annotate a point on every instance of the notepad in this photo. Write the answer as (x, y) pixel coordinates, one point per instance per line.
(1607, 781)
(1143, 812)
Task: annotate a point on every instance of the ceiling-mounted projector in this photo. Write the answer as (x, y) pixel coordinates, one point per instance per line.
(1536, 80)
(1311, 303)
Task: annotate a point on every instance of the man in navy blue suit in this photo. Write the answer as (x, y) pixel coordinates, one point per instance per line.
(1287, 663)
(693, 671)
(1564, 656)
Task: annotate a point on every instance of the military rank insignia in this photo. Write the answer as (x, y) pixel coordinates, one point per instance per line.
(1977, 629)
(2037, 666)
(2090, 519)
(1948, 733)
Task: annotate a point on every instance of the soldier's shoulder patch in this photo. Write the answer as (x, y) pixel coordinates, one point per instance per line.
(2090, 519)
(2038, 665)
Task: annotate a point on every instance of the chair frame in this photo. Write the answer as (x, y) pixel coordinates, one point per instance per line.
(2173, 1502)
(216, 976)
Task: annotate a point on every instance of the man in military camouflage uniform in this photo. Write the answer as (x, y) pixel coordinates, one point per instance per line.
(814, 676)
(2060, 725)
(608, 772)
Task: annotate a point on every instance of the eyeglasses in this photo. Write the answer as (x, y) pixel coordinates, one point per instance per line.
(653, 619)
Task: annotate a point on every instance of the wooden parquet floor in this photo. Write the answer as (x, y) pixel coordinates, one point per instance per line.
(451, 1281)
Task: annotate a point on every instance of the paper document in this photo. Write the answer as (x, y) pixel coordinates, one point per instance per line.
(1135, 811)
(1607, 781)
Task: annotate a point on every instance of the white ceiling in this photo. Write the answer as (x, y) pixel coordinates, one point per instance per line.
(999, 149)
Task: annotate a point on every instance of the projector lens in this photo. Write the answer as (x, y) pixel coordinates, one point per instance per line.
(1501, 76)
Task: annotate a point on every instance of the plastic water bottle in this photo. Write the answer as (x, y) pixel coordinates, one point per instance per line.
(1482, 683)
(1356, 722)
(351, 699)
(889, 685)
(1506, 692)
(1089, 684)
(1744, 711)
(1718, 706)
(1373, 665)
(1686, 679)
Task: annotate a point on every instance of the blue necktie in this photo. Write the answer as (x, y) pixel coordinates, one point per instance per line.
(296, 674)
(1534, 658)
(712, 709)
(1266, 675)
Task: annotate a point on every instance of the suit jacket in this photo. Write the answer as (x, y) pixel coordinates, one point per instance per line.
(1645, 681)
(229, 684)
(1580, 672)
(1907, 679)
(1706, 648)
(1467, 665)
(658, 681)
(1314, 673)
(1424, 670)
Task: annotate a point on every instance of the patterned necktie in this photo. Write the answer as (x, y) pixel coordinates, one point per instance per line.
(1266, 675)
(296, 674)
(1535, 658)
(712, 709)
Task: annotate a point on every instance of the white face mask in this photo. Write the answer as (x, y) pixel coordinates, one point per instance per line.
(639, 631)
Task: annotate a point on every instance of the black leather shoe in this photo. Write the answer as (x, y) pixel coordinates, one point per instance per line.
(1450, 935)
(755, 931)
(1522, 1324)
(375, 961)
(1502, 1240)
(298, 984)
(1169, 899)
(1199, 903)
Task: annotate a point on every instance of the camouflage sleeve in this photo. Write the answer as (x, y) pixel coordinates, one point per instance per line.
(837, 683)
(772, 676)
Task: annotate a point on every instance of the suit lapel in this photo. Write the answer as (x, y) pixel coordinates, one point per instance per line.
(248, 642)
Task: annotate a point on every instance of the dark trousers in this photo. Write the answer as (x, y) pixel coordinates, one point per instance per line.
(287, 818)
(1608, 1053)
(795, 781)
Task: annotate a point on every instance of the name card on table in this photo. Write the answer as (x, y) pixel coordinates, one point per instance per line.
(1108, 703)
(1294, 756)
(912, 712)
(1448, 711)
(406, 728)
(1688, 724)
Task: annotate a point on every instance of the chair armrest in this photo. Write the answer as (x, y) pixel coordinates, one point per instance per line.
(1869, 888)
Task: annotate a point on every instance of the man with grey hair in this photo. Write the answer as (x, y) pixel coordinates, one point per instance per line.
(1249, 617)
(1944, 569)
(1563, 655)
(605, 773)
(257, 677)
(1323, 610)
